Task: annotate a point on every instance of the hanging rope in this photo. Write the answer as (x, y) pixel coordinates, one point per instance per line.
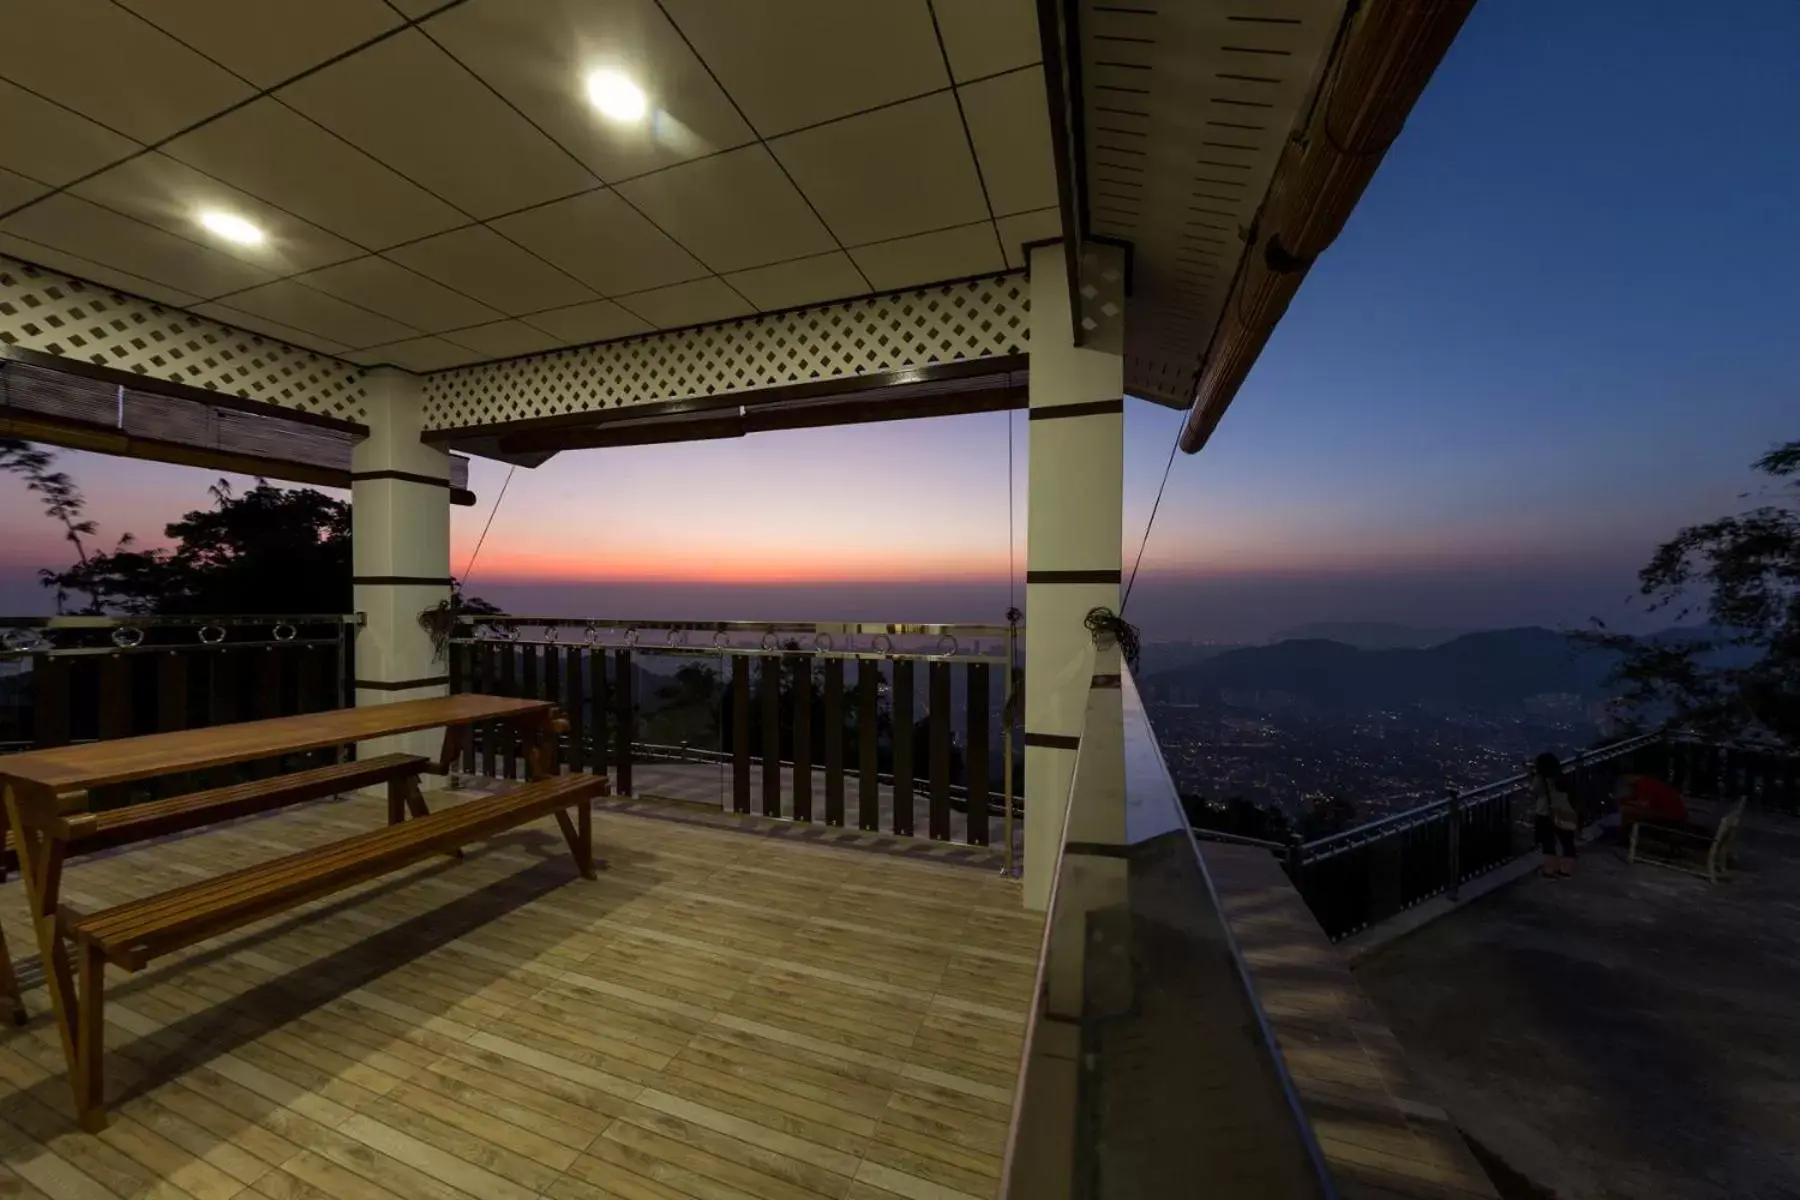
(476, 553)
(1151, 523)
(1012, 596)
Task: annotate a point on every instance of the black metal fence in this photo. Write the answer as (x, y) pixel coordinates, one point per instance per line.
(1357, 878)
(66, 680)
(892, 728)
(1362, 876)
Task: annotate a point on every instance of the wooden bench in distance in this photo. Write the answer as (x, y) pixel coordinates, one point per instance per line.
(90, 833)
(133, 934)
(1695, 849)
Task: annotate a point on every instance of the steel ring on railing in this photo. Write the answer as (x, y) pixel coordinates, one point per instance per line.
(217, 632)
(631, 636)
(591, 635)
(511, 633)
(883, 644)
(822, 642)
(285, 632)
(25, 639)
(770, 641)
(721, 640)
(552, 633)
(954, 645)
(675, 637)
(127, 636)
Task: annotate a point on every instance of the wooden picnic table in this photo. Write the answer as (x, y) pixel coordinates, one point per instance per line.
(43, 787)
(65, 770)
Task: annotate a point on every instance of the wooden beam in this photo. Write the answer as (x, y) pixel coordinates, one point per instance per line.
(723, 404)
(858, 410)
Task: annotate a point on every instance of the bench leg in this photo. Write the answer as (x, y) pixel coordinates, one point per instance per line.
(415, 804)
(580, 836)
(9, 983)
(90, 1050)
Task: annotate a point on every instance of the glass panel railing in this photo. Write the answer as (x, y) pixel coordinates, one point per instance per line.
(1149, 1069)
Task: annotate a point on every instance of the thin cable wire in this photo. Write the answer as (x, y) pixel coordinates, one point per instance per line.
(1151, 523)
(476, 553)
(1011, 503)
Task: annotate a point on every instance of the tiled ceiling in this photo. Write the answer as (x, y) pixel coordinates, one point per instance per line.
(435, 188)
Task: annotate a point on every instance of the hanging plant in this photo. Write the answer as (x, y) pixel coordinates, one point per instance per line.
(442, 620)
(439, 622)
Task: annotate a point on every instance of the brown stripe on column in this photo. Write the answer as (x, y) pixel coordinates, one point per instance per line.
(1113, 576)
(1107, 681)
(1093, 408)
(403, 476)
(1052, 741)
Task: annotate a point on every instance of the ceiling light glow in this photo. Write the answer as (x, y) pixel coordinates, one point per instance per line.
(231, 227)
(616, 96)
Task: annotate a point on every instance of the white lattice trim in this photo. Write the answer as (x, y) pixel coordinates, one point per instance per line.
(981, 318)
(71, 318)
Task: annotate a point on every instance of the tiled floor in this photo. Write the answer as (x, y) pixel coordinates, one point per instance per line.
(719, 1015)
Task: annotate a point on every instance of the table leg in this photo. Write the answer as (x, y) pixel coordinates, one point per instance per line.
(9, 983)
(40, 868)
(452, 748)
(537, 732)
(90, 1075)
(414, 800)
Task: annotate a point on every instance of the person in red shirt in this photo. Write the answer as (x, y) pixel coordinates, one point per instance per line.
(1646, 798)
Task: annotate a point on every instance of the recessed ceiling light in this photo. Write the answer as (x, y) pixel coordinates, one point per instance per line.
(616, 96)
(232, 228)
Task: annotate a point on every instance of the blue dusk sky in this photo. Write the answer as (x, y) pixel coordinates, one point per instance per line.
(1560, 324)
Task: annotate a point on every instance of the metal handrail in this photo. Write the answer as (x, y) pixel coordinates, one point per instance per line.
(1236, 839)
(711, 651)
(139, 621)
(853, 628)
(1336, 843)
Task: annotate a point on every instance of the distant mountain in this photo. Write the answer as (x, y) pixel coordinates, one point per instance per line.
(1368, 635)
(1173, 656)
(1494, 671)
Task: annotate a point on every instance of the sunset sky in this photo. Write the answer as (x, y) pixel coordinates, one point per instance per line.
(1560, 324)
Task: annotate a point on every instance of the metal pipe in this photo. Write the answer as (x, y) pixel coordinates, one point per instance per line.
(1010, 869)
(724, 652)
(865, 628)
(163, 647)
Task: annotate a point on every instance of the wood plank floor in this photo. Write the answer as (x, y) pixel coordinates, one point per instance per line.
(718, 1016)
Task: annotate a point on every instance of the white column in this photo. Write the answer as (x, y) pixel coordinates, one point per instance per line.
(400, 545)
(1073, 550)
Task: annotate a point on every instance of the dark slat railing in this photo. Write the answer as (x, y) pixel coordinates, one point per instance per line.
(67, 680)
(1357, 878)
(765, 719)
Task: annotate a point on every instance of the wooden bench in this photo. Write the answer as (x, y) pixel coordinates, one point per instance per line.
(90, 833)
(133, 934)
(1695, 849)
